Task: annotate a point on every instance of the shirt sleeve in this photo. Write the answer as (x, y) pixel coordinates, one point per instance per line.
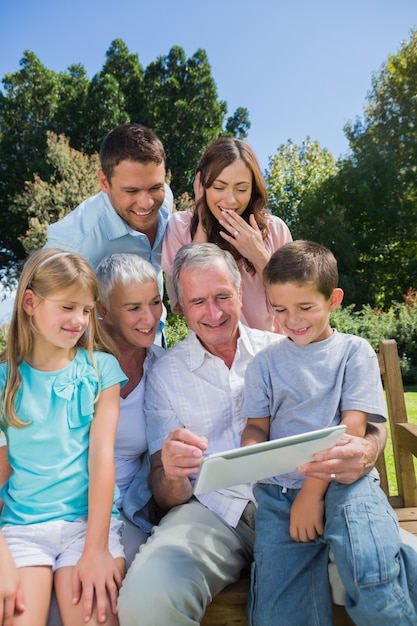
(362, 387)
(256, 397)
(160, 414)
(110, 371)
(278, 235)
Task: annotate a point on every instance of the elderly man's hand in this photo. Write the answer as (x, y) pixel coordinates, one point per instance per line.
(181, 453)
(348, 460)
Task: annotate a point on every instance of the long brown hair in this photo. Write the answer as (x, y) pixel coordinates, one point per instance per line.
(220, 154)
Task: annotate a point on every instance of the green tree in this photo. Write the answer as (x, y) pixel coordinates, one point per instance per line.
(238, 124)
(364, 206)
(27, 106)
(74, 178)
(125, 67)
(184, 111)
(69, 118)
(105, 110)
(294, 175)
(379, 183)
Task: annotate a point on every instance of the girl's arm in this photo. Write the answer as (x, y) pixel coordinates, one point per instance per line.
(5, 470)
(97, 574)
(11, 595)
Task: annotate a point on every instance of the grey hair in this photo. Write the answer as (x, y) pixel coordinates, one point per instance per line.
(202, 256)
(122, 269)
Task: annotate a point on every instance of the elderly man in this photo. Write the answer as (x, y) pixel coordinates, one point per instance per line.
(193, 401)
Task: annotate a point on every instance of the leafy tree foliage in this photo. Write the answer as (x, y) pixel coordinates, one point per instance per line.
(382, 172)
(74, 178)
(363, 207)
(294, 175)
(238, 124)
(175, 96)
(125, 67)
(29, 102)
(73, 94)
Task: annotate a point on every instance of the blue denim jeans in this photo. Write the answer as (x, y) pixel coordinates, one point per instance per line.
(378, 571)
(290, 579)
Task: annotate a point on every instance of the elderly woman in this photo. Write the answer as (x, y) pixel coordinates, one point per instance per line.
(130, 307)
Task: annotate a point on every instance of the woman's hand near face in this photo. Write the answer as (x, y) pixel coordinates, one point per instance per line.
(246, 238)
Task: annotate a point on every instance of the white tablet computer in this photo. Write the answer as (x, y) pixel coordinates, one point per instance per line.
(262, 460)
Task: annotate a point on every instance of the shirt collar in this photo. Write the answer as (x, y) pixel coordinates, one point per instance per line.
(197, 352)
(115, 227)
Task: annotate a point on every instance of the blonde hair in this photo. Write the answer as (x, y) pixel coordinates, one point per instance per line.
(46, 272)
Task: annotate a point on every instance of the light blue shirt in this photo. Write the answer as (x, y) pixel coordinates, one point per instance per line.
(94, 230)
(49, 457)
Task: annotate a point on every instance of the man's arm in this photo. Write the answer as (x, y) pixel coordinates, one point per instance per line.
(172, 467)
(350, 458)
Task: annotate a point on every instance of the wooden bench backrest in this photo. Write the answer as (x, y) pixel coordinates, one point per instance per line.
(403, 434)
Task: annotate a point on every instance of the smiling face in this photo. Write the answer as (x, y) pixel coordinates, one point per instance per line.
(302, 311)
(231, 190)
(133, 314)
(60, 320)
(211, 306)
(136, 192)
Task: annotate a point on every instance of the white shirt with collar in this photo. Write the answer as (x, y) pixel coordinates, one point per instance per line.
(190, 388)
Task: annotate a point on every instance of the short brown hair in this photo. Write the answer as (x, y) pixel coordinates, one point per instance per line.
(303, 262)
(130, 142)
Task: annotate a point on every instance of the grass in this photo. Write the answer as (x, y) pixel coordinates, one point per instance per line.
(411, 404)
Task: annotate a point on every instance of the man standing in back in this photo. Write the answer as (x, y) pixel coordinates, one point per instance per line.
(131, 212)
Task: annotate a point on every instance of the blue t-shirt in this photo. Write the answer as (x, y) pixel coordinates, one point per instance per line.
(49, 457)
(306, 387)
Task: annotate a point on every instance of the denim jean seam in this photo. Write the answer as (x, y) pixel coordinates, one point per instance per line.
(386, 571)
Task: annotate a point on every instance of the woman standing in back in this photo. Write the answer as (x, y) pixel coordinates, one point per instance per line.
(230, 211)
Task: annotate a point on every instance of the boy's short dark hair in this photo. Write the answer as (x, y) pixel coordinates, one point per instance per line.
(130, 142)
(303, 262)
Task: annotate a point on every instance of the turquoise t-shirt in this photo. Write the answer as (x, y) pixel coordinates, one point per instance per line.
(49, 457)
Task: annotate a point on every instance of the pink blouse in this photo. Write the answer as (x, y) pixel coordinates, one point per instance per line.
(256, 310)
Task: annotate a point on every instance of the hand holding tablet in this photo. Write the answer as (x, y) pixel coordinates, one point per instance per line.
(262, 460)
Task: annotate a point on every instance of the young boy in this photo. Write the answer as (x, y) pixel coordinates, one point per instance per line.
(313, 378)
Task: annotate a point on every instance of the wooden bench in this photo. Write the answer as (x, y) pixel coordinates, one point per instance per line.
(229, 607)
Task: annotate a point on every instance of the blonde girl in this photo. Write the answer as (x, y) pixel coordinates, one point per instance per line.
(60, 388)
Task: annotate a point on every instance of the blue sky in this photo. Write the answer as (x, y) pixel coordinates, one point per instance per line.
(301, 67)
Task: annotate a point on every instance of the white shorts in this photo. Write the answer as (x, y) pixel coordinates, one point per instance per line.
(57, 543)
